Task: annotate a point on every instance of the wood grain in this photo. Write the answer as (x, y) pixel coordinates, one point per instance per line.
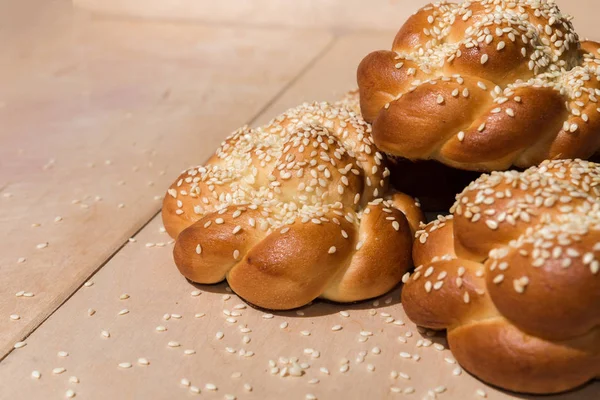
(97, 117)
(323, 14)
(150, 278)
(345, 15)
(332, 75)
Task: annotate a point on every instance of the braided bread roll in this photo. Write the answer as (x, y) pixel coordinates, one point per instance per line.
(484, 85)
(513, 276)
(294, 210)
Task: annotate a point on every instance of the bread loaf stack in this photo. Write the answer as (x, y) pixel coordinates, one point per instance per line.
(302, 208)
(513, 273)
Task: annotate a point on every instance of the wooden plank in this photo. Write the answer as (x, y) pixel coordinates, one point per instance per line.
(332, 75)
(150, 278)
(336, 14)
(96, 118)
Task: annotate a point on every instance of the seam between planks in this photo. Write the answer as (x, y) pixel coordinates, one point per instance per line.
(332, 29)
(292, 81)
(72, 293)
(272, 100)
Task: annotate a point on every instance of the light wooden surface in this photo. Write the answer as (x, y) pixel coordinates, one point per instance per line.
(327, 14)
(338, 15)
(154, 97)
(97, 114)
(155, 288)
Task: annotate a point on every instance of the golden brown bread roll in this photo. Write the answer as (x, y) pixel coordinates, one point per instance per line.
(294, 210)
(484, 85)
(513, 276)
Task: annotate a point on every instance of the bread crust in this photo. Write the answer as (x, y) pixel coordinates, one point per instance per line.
(469, 86)
(294, 210)
(513, 275)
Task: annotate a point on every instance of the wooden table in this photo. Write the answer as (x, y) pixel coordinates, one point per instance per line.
(101, 105)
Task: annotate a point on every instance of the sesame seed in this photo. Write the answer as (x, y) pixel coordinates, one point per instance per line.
(595, 267)
(36, 374)
(210, 386)
(428, 286)
(493, 225)
(332, 250)
(461, 136)
(19, 345)
(484, 59)
(125, 365)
